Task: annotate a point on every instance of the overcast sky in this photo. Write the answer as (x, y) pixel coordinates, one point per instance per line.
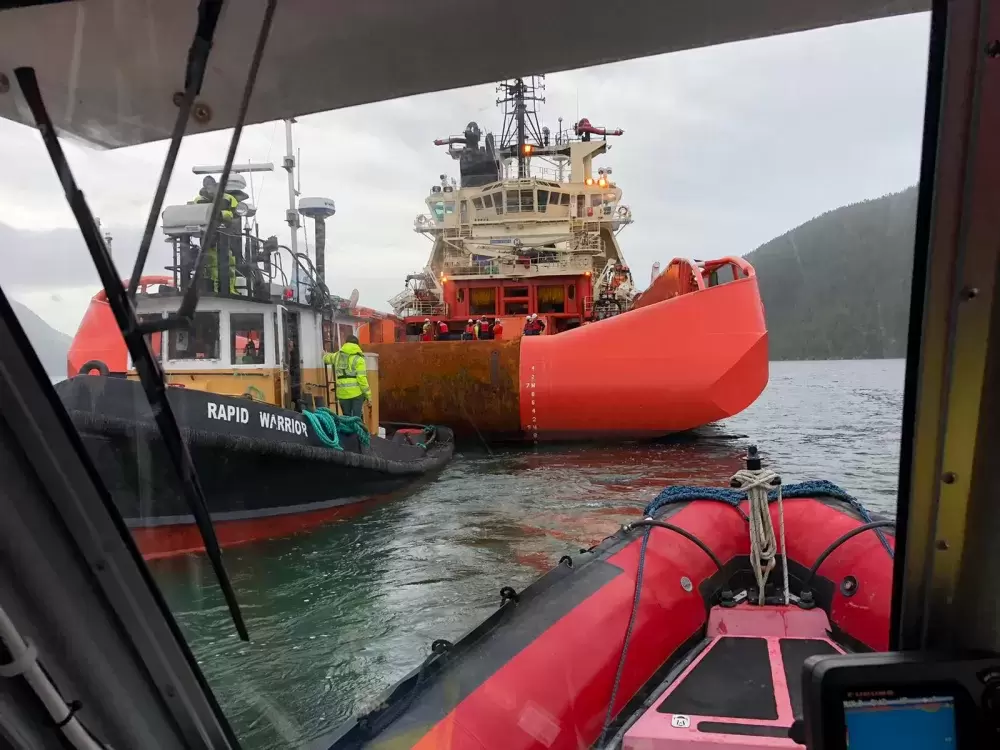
(724, 149)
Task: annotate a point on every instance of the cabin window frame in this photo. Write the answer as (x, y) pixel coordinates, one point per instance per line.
(174, 334)
(477, 203)
(234, 328)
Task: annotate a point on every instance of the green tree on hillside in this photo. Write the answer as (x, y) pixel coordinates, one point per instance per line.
(838, 286)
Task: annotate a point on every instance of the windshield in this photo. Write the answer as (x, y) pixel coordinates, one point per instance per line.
(370, 499)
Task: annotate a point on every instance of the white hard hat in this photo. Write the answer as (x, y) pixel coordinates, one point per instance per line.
(534, 315)
(470, 320)
(427, 320)
(527, 317)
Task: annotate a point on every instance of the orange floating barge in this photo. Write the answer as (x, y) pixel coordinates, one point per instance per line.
(687, 353)
(525, 322)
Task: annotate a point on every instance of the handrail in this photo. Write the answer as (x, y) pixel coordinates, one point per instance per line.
(741, 263)
(695, 270)
(144, 281)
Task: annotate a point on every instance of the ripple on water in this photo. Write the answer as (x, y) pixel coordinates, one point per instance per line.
(338, 614)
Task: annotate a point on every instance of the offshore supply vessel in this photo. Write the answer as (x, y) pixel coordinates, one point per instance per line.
(530, 233)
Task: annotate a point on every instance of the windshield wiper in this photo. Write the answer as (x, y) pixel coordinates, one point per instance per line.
(121, 300)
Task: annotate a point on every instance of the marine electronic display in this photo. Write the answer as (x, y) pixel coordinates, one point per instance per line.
(916, 723)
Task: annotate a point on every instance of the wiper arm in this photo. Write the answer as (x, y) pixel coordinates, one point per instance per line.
(208, 18)
(146, 365)
(121, 301)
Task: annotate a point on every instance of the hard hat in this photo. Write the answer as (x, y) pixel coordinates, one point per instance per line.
(470, 320)
(534, 315)
(527, 317)
(427, 320)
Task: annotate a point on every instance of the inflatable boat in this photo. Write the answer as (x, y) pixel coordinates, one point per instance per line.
(660, 636)
(265, 471)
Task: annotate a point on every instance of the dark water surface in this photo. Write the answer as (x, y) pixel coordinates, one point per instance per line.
(339, 613)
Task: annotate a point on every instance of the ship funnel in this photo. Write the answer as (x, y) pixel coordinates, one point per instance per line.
(318, 209)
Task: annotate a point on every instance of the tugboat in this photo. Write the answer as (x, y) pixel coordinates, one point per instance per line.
(251, 393)
(527, 243)
(687, 628)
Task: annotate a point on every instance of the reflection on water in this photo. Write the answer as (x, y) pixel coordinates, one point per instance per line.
(338, 614)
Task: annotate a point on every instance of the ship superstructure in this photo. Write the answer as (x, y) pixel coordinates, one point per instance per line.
(530, 226)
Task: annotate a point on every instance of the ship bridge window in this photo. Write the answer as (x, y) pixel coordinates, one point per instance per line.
(564, 199)
(199, 341)
(580, 200)
(543, 200)
(595, 200)
(527, 200)
(439, 210)
(498, 202)
(478, 202)
(246, 338)
(512, 201)
(487, 201)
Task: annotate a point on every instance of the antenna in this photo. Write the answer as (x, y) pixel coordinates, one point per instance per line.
(521, 132)
(291, 215)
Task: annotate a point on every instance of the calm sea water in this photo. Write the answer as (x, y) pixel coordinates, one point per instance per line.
(338, 614)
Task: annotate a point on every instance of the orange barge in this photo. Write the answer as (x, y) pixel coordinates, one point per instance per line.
(691, 350)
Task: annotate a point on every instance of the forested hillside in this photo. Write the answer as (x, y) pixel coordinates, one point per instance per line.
(838, 286)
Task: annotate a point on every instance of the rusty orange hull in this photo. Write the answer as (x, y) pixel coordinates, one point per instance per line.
(671, 364)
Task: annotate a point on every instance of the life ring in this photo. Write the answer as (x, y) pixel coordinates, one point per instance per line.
(94, 364)
(253, 393)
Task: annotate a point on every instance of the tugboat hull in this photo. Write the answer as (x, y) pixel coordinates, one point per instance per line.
(263, 470)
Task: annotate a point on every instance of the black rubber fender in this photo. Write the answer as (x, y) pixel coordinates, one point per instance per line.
(94, 364)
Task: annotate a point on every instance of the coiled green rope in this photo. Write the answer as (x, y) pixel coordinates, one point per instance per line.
(329, 426)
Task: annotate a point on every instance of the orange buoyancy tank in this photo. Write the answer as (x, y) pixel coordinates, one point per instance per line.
(670, 366)
(99, 342)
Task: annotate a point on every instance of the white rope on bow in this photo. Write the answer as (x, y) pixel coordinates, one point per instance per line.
(763, 546)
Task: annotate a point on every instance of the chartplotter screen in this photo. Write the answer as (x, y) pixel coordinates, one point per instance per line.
(925, 723)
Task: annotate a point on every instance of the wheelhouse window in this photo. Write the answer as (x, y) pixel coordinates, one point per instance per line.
(512, 201)
(543, 200)
(527, 200)
(564, 199)
(246, 338)
(199, 341)
(478, 202)
(487, 201)
(498, 202)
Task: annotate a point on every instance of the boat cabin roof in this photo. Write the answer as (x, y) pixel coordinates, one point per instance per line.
(111, 86)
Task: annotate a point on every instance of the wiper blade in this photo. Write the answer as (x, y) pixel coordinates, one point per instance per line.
(120, 300)
(146, 365)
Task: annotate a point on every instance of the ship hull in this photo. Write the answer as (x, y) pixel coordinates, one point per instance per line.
(263, 471)
(669, 365)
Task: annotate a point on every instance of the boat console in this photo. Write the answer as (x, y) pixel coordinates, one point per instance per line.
(911, 700)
